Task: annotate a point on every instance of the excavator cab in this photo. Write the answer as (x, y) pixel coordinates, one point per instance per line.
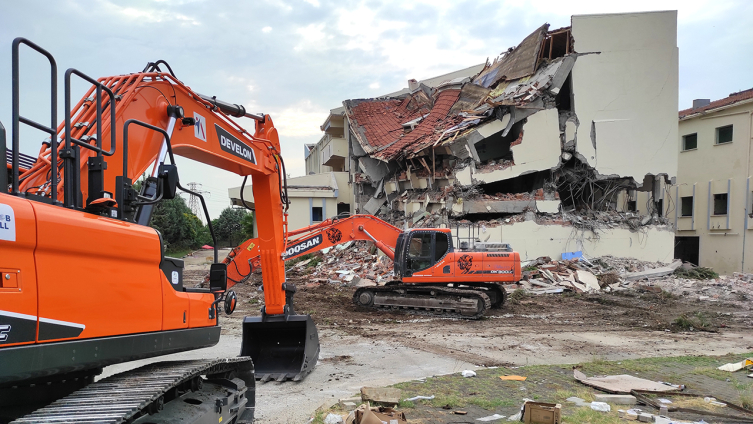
(417, 250)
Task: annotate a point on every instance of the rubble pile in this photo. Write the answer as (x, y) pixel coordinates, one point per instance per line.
(356, 264)
(611, 274)
(360, 264)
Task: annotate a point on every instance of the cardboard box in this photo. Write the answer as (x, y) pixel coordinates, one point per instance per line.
(542, 413)
(380, 415)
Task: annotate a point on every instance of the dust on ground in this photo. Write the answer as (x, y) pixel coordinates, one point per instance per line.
(528, 329)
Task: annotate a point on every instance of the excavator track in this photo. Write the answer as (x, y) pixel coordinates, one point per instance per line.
(124, 397)
(424, 300)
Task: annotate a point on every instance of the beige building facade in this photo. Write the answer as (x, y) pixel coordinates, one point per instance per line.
(713, 198)
(313, 198)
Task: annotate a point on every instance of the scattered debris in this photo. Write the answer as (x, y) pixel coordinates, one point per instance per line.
(601, 406)
(333, 419)
(513, 377)
(622, 384)
(542, 413)
(381, 395)
(468, 373)
(491, 418)
(376, 415)
(645, 397)
(736, 366)
(415, 398)
(460, 412)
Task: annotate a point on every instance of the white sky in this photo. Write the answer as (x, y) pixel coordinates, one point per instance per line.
(297, 59)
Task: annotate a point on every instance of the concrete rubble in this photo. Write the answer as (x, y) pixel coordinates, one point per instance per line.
(504, 146)
(360, 264)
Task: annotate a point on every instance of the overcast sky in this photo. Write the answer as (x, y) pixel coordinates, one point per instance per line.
(295, 60)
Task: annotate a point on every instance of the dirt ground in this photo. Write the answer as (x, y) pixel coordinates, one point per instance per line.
(528, 330)
(624, 324)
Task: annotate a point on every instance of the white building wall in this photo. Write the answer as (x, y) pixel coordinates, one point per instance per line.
(625, 91)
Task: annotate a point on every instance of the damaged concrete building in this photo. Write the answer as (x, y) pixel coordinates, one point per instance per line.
(539, 148)
(542, 147)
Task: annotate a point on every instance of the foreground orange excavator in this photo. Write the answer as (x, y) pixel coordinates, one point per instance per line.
(85, 283)
(431, 274)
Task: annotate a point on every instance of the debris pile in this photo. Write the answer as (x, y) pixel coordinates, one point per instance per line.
(611, 274)
(356, 264)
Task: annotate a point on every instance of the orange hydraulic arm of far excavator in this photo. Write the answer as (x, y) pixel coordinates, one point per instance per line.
(199, 128)
(243, 259)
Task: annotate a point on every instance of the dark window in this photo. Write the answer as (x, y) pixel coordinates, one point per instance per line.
(660, 207)
(343, 208)
(441, 247)
(686, 206)
(316, 214)
(690, 142)
(419, 252)
(632, 206)
(720, 204)
(724, 134)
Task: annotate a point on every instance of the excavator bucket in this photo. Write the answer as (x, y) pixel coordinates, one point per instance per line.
(281, 347)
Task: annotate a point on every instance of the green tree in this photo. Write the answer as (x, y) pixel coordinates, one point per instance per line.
(228, 227)
(247, 224)
(179, 227)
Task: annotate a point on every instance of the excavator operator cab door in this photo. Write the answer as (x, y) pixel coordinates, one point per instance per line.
(421, 250)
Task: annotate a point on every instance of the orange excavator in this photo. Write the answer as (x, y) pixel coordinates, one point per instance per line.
(84, 282)
(431, 274)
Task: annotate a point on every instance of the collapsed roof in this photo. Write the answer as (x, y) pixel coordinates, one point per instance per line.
(525, 79)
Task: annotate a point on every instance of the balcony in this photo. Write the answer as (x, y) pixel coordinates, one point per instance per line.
(334, 152)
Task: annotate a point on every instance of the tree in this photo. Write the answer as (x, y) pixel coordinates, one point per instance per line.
(179, 227)
(228, 227)
(247, 224)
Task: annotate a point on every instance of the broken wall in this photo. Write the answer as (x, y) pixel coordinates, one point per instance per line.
(625, 88)
(533, 240)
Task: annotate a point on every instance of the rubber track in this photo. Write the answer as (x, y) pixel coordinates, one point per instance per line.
(428, 289)
(123, 397)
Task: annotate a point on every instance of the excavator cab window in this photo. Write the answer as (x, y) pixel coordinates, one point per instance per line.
(419, 252)
(441, 247)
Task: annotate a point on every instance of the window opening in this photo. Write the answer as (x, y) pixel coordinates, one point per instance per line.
(689, 142)
(724, 134)
(441, 247)
(316, 214)
(686, 206)
(419, 252)
(720, 204)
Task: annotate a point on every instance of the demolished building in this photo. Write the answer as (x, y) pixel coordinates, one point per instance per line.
(540, 148)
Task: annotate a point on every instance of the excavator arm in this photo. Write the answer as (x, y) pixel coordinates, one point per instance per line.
(198, 129)
(128, 125)
(243, 259)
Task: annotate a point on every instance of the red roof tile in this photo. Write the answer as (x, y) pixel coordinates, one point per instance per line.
(732, 99)
(382, 122)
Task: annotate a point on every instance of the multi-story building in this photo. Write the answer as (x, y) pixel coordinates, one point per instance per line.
(545, 147)
(713, 198)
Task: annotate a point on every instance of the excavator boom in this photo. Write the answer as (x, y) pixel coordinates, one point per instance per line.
(243, 259)
(86, 282)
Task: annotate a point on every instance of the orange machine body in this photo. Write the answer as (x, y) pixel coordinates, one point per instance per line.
(92, 288)
(424, 259)
(92, 280)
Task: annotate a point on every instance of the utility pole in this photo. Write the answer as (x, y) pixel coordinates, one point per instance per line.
(193, 201)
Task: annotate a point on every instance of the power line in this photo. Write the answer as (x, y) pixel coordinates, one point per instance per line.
(193, 201)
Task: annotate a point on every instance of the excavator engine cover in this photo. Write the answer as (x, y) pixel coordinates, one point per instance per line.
(282, 347)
